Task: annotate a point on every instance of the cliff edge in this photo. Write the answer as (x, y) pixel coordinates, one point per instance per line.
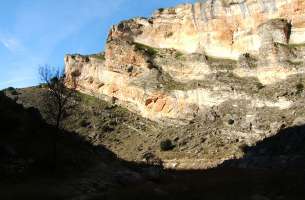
(185, 60)
(230, 71)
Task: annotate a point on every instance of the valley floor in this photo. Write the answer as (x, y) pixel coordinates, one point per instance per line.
(217, 184)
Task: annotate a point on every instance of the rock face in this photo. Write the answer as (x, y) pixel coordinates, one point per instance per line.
(185, 61)
(218, 28)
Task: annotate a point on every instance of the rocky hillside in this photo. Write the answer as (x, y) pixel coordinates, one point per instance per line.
(85, 169)
(218, 75)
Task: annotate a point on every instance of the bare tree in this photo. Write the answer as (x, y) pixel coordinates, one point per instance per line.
(59, 99)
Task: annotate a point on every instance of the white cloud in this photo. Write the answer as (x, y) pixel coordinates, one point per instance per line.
(39, 28)
(12, 44)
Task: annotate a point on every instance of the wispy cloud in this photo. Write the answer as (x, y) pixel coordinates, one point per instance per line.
(12, 44)
(39, 32)
(35, 36)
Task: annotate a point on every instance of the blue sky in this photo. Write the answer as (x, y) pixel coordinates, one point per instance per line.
(38, 32)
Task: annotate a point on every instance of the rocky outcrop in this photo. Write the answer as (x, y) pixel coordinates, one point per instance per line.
(230, 71)
(184, 61)
(218, 28)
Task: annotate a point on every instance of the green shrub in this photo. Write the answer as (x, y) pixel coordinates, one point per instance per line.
(14, 92)
(149, 50)
(231, 121)
(244, 147)
(107, 128)
(300, 88)
(295, 63)
(43, 85)
(84, 123)
(178, 55)
(259, 85)
(99, 56)
(10, 89)
(54, 80)
(166, 145)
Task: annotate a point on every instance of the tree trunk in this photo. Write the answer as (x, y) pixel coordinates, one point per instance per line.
(55, 140)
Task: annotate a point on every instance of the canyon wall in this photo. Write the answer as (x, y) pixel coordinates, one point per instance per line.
(185, 61)
(217, 28)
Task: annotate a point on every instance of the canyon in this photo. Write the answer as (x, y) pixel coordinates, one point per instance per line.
(198, 101)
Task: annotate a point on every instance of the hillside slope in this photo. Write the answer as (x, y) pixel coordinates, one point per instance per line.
(88, 170)
(208, 102)
(38, 162)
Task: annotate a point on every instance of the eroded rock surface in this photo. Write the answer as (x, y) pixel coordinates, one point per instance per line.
(162, 66)
(236, 65)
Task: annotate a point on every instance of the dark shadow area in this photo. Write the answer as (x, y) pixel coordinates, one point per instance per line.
(38, 162)
(27, 138)
(36, 158)
(285, 150)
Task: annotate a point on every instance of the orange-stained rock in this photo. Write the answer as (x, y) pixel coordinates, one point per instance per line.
(159, 105)
(178, 63)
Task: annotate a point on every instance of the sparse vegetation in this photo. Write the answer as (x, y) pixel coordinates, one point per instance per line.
(43, 85)
(171, 11)
(221, 63)
(168, 34)
(149, 50)
(249, 60)
(161, 10)
(178, 55)
(300, 88)
(10, 89)
(84, 123)
(169, 85)
(302, 45)
(231, 121)
(58, 99)
(290, 46)
(100, 56)
(259, 85)
(27, 143)
(14, 92)
(215, 59)
(131, 132)
(295, 63)
(225, 3)
(166, 145)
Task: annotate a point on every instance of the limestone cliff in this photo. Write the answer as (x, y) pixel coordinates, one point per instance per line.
(236, 64)
(164, 66)
(220, 28)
